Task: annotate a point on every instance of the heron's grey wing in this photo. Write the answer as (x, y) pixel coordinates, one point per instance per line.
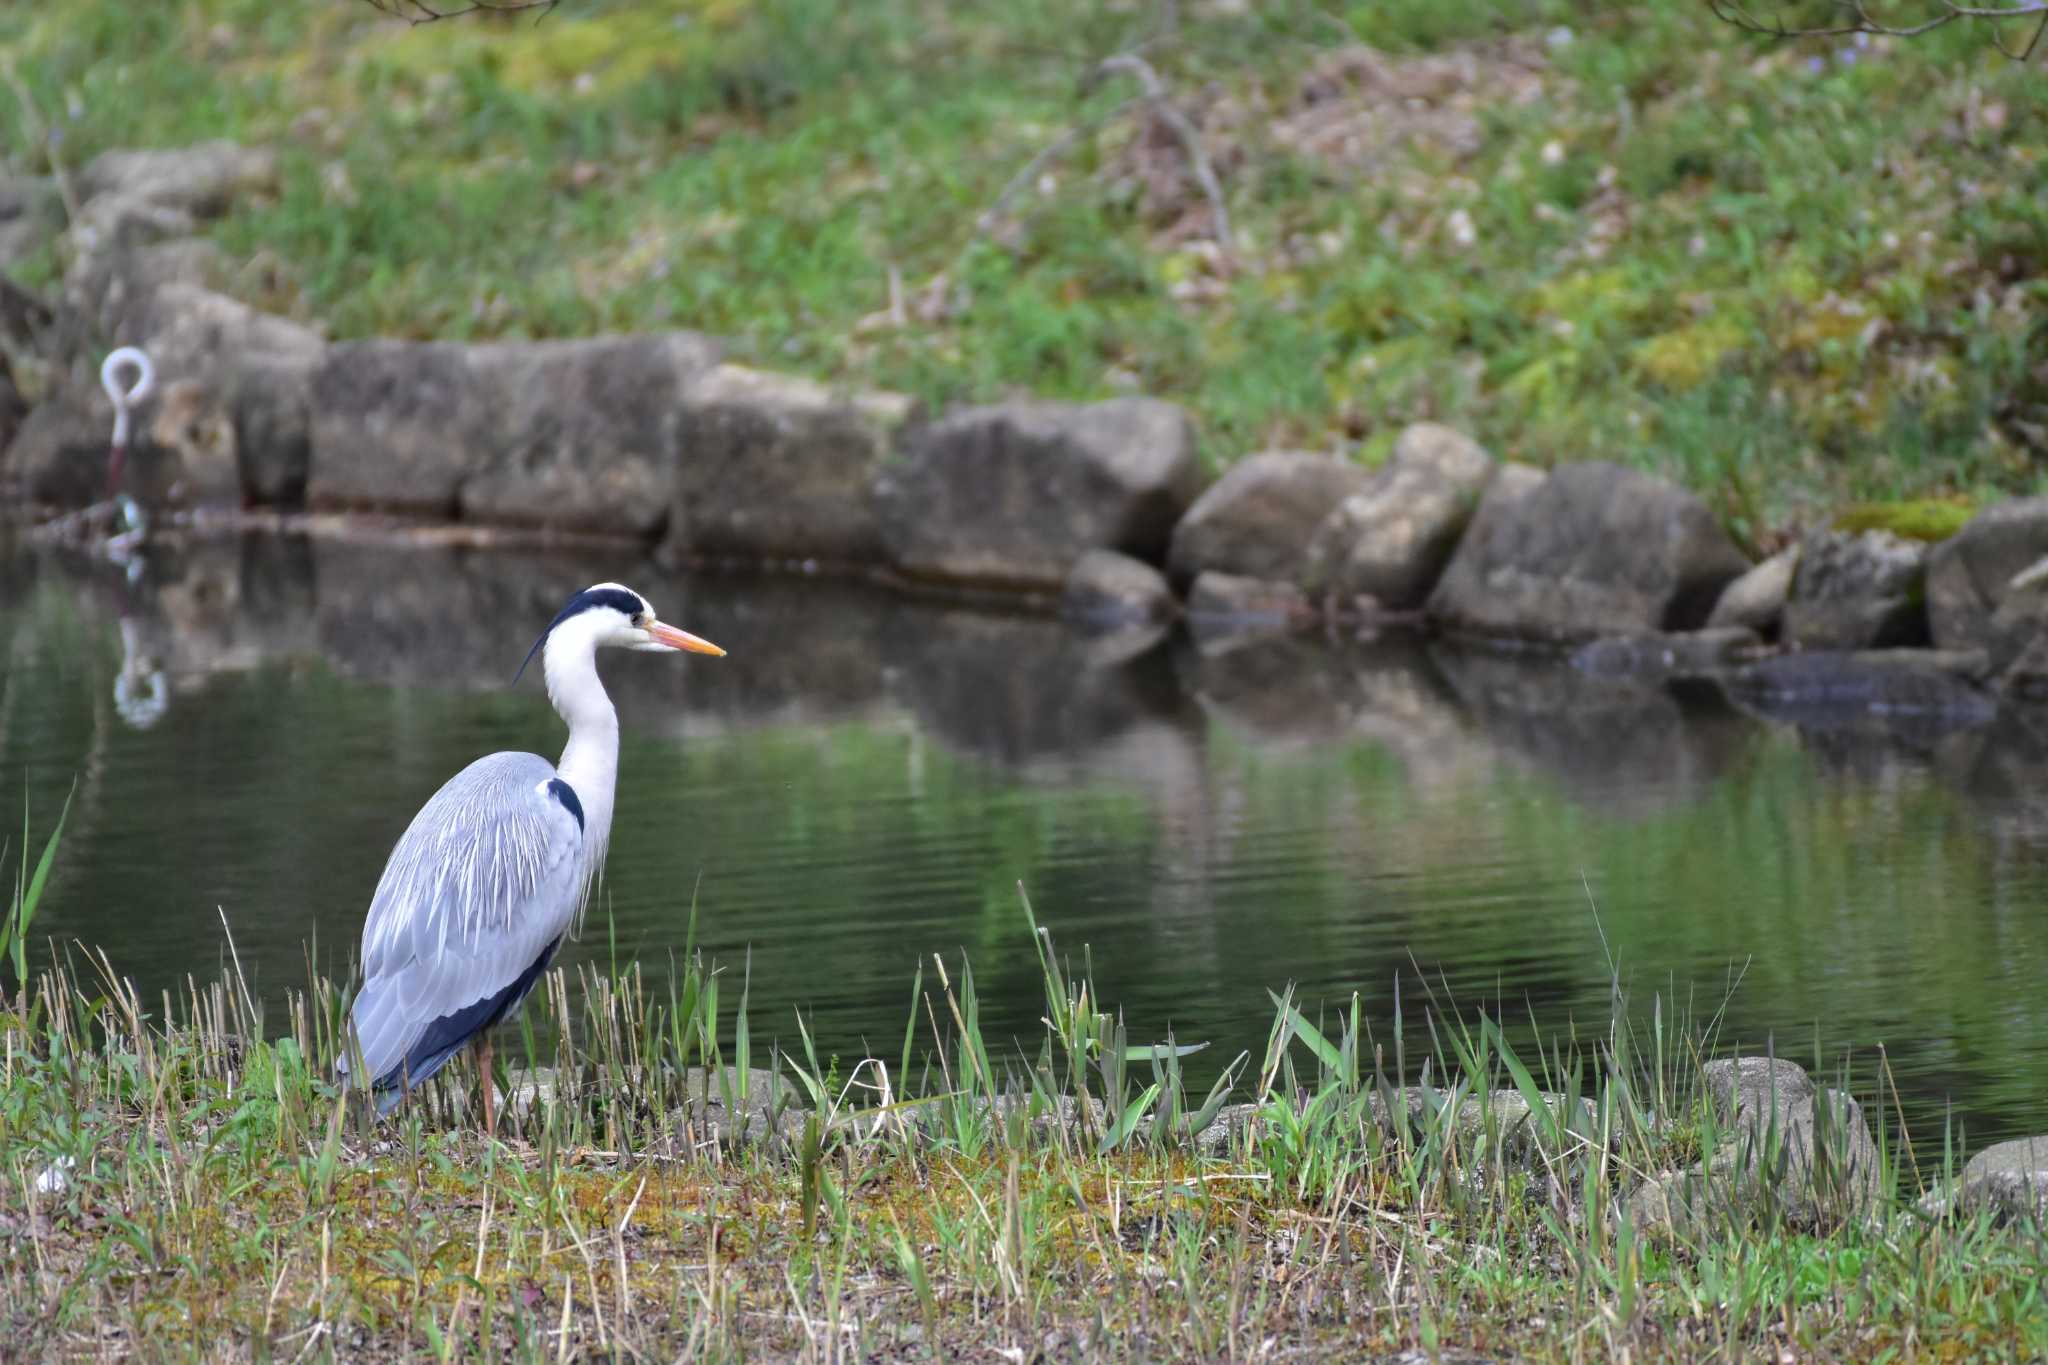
(479, 890)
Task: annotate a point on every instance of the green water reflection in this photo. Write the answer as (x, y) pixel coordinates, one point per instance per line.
(866, 781)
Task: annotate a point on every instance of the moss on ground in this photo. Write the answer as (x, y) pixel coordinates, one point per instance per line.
(1928, 519)
(178, 1190)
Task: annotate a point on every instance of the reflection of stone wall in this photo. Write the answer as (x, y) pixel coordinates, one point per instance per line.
(1626, 747)
(1028, 695)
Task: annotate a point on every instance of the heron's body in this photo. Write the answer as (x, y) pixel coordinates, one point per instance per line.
(471, 908)
(492, 873)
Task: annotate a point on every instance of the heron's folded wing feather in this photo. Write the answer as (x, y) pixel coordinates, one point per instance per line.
(485, 878)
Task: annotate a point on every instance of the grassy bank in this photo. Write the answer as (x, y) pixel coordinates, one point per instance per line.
(1792, 275)
(177, 1186)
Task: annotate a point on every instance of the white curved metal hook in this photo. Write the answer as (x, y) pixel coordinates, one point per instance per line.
(126, 357)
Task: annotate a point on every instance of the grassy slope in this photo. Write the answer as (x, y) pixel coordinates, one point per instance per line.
(1689, 250)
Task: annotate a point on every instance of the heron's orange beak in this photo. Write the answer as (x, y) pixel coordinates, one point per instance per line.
(683, 640)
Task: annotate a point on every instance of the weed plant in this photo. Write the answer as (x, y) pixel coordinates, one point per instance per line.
(184, 1180)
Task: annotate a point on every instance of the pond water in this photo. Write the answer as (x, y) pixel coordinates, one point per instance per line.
(866, 779)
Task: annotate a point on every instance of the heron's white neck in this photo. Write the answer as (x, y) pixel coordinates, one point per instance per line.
(590, 761)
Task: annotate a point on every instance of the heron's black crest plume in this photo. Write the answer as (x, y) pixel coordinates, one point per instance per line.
(618, 599)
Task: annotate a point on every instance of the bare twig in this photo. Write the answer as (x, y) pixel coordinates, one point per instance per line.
(1857, 18)
(420, 12)
(1155, 98)
(1190, 140)
(1046, 155)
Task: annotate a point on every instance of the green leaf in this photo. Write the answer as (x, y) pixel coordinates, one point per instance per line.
(1159, 1052)
(25, 906)
(1326, 1052)
(1121, 1131)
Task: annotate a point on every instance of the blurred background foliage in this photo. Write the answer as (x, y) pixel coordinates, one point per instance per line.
(1791, 274)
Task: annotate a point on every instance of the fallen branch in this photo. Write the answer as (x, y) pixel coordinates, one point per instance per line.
(1154, 98)
(420, 12)
(1164, 109)
(1046, 155)
(1857, 18)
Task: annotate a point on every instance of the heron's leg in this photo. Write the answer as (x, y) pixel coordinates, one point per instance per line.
(483, 1063)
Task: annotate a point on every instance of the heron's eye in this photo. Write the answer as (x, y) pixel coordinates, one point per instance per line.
(639, 619)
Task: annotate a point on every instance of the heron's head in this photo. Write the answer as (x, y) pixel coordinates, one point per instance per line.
(608, 614)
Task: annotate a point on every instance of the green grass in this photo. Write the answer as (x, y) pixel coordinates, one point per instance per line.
(1686, 249)
(221, 1199)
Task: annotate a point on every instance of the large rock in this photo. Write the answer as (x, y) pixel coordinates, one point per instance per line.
(1013, 495)
(1594, 549)
(1258, 519)
(769, 466)
(117, 290)
(1105, 588)
(2010, 1178)
(1972, 601)
(202, 179)
(201, 432)
(132, 198)
(1756, 600)
(2027, 675)
(244, 374)
(570, 435)
(1390, 540)
(399, 425)
(587, 434)
(1784, 1150)
(1222, 602)
(1857, 591)
(242, 377)
(13, 407)
(59, 455)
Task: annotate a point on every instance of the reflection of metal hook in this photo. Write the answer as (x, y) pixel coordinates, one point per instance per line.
(139, 707)
(125, 548)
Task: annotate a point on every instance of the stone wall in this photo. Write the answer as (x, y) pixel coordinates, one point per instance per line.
(1101, 508)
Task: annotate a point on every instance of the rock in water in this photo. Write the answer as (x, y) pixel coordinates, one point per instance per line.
(1593, 549)
(1390, 540)
(571, 435)
(1756, 600)
(1110, 589)
(2010, 1178)
(1857, 591)
(202, 179)
(1982, 591)
(1257, 520)
(769, 467)
(1012, 495)
(398, 425)
(1786, 1149)
(1232, 600)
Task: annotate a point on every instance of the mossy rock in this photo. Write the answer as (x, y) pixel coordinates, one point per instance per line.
(1927, 519)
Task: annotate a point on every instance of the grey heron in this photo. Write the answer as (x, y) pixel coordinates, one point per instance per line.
(493, 871)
